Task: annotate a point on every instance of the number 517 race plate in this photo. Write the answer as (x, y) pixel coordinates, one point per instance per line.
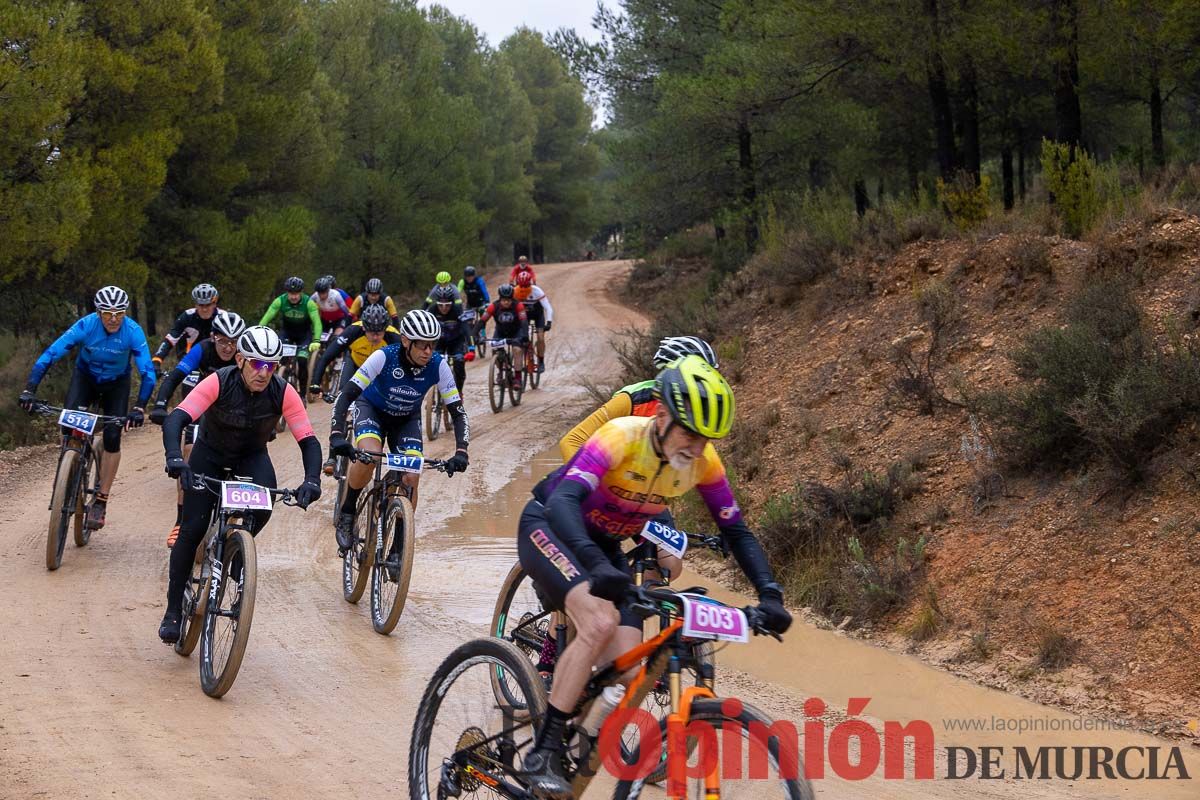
(245, 495)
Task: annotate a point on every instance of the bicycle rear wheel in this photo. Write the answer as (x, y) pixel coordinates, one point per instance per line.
(229, 613)
(496, 385)
(63, 504)
(195, 601)
(531, 373)
(433, 416)
(784, 777)
(392, 569)
(520, 618)
(356, 564)
(459, 728)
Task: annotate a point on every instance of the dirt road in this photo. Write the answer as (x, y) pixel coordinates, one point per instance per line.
(92, 705)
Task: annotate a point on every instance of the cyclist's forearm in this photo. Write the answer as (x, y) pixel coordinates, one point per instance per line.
(749, 554)
(173, 427)
(310, 454)
(564, 509)
(462, 427)
(169, 384)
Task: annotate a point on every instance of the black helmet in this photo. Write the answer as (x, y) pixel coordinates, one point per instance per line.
(374, 286)
(468, 271)
(375, 318)
(444, 294)
(324, 284)
(294, 284)
(505, 291)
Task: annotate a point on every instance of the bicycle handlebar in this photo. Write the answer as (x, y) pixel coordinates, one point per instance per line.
(647, 601)
(42, 407)
(366, 457)
(202, 481)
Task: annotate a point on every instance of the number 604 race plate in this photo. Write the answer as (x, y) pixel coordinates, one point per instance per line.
(705, 618)
(245, 495)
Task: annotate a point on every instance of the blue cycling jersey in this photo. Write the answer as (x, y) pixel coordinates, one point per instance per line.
(394, 388)
(103, 355)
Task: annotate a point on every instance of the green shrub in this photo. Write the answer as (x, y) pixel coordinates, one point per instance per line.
(1072, 180)
(1097, 388)
(969, 203)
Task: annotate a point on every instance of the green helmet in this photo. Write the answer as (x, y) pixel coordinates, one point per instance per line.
(697, 397)
(443, 277)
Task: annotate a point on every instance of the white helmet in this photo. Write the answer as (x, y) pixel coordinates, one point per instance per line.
(673, 348)
(204, 293)
(111, 298)
(262, 343)
(421, 326)
(228, 324)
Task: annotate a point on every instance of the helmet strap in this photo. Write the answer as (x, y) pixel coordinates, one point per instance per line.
(658, 440)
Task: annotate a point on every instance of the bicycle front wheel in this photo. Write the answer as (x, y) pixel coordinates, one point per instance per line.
(392, 569)
(496, 385)
(784, 776)
(63, 504)
(356, 564)
(82, 533)
(228, 614)
(461, 732)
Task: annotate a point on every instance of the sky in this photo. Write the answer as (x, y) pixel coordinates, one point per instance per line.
(496, 19)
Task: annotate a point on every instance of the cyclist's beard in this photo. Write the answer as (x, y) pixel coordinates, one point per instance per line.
(681, 462)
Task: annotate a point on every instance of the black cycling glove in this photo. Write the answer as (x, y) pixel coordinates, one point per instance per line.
(456, 463)
(308, 493)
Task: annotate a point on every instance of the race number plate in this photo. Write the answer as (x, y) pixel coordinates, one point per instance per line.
(192, 378)
(81, 421)
(705, 618)
(245, 495)
(673, 541)
(497, 343)
(289, 350)
(399, 462)
(468, 315)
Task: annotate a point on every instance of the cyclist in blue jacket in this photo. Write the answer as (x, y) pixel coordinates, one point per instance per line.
(106, 339)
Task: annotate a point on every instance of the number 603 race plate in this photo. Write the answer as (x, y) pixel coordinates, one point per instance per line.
(245, 496)
(705, 618)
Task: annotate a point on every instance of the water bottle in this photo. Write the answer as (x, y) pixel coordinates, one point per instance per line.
(609, 699)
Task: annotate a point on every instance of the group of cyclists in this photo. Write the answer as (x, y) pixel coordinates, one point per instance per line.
(651, 443)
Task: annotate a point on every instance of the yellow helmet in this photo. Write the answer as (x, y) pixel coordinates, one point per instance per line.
(697, 397)
(443, 277)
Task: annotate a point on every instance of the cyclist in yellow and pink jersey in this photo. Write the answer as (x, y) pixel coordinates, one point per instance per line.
(570, 534)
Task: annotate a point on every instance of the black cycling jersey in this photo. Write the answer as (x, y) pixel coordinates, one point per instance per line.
(238, 422)
(189, 327)
(206, 363)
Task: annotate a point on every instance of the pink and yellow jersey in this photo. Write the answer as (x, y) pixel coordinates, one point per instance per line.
(629, 483)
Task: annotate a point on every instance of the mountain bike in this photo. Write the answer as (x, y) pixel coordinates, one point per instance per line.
(384, 537)
(531, 378)
(76, 480)
(502, 375)
(464, 740)
(521, 616)
(218, 599)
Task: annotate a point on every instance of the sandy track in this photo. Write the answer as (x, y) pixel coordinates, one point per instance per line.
(92, 705)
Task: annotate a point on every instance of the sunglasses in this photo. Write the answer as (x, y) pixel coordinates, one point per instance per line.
(263, 366)
(422, 345)
(112, 314)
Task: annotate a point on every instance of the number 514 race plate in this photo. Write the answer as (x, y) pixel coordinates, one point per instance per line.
(81, 421)
(245, 495)
(705, 618)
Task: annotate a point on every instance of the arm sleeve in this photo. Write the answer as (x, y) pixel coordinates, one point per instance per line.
(200, 398)
(141, 357)
(487, 314)
(391, 307)
(454, 404)
(331, 353)
(356, 307)
(272, 311)
(545, 301)
(345, 309)
(294, 413)
(314, 317)
(564, 509)
(487, 298)
(310, 454)
(61, 346)
(172, 431)
(346, 398)
(621, 405)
